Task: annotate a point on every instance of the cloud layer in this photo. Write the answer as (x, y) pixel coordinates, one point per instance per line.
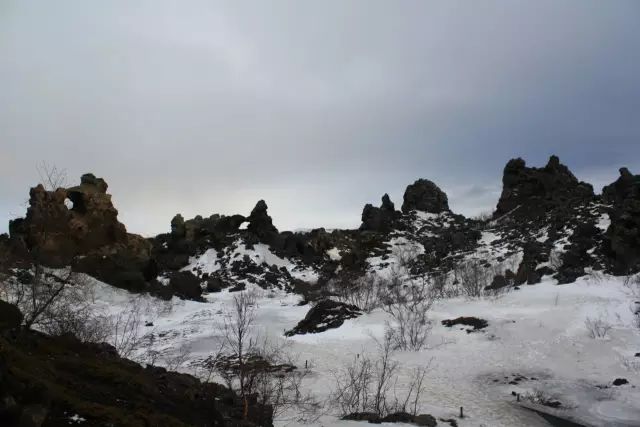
(317, 107)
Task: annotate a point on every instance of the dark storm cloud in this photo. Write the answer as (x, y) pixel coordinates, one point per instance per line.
(317, 107)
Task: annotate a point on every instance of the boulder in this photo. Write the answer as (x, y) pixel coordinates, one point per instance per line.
(185, 285)
(326, 314)
(498, 282)
(424, 195)
(620, 381)
(475, 322)
(425, 420)
(215, 284)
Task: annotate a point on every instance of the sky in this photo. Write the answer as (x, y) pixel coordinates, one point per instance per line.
(204, 107)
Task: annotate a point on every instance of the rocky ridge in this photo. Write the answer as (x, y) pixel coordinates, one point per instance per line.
(546, 222)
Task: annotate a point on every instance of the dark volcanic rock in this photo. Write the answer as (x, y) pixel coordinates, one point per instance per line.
(327, 314)
(59, 233)
(532, 256)
(424, 195)
(10, 316)
(186, 285)
(474, 322)
(379, 219)
(498, 282)
(261, 225)
(536, 190)
(620, 381)
(577, 258)
(54, 234)
(216, 284)
(178, 229)
(623, 235)
(44, 380)
(424, 420)
(622, 189)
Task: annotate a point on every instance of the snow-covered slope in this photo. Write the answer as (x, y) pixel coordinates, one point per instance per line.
(536, 341)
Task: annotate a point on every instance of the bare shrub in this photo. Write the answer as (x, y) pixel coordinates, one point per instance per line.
(255, 367)
(361, 291)
(594, 276)
(631, 364)
(408, 304)
(173, 359)
(353, 386)
(483, 216)
(80, 321)
(597, 328)
(439, 285)
(442, 287)
(635, 310)
(126, 330)
(370, 384)
(406, 256)
(632, 281)
(473, 276)
(35, 291)
(483, 220)
(495, 293)
(55, 301)
(51, 177)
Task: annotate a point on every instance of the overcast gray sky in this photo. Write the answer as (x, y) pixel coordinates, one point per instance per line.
(318, 107)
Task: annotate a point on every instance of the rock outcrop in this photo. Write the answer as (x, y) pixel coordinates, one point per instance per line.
(261, 225)
(213, 227)
(424, 195)
(79, 225)
(326, 314)
(379, 219)
(534, 191)
(623, 235)
(192, 236)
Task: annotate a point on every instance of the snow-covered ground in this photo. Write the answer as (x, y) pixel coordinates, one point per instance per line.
(537, 333)
(259, 253)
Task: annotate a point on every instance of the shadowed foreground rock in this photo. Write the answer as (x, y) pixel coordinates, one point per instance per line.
(79, 225)
(44, 381)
